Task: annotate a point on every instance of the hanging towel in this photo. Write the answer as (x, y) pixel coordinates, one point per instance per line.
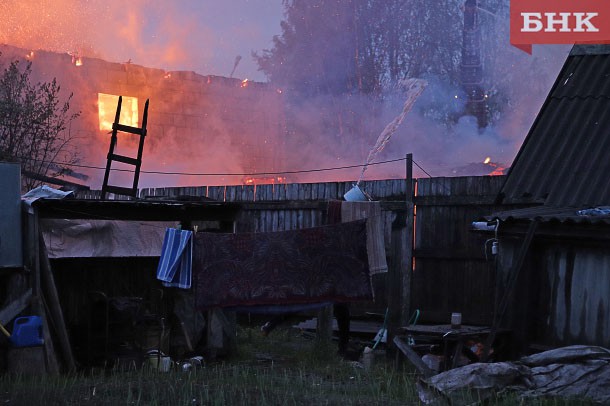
(371, 211)
(175, 264)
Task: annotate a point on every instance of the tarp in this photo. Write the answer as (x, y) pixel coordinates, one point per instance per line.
(103, 238)
(576, 372)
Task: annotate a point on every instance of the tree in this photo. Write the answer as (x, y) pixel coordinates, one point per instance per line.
(34, 125)
(364, 46)
(315, 53)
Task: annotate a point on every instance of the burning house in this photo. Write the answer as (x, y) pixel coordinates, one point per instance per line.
(197, 123)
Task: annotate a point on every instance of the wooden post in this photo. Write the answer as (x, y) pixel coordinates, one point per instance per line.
(37, 305)
(401, 259)
(325, 324)
(409, 243)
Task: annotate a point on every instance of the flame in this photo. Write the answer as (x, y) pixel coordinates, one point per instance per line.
(78, 62)
(498, 171)
(168, 75)
(30, 55)
(497, 168)
(244, 83)
(107, 104)
(264, 181)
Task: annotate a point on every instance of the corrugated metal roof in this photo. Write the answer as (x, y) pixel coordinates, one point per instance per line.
(564, 159)
(546, 214)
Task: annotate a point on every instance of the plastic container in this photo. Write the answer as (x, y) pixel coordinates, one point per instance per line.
(456, 321)
(27, 332)
(355, 194)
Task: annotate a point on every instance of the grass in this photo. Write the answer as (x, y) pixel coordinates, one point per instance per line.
(283, 369)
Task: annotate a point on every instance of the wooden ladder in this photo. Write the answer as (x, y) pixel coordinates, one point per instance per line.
(137, 162)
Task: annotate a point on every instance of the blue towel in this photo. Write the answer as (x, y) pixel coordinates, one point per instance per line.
(176, 262)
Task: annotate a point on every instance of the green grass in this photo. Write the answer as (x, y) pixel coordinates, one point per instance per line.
(283, 369)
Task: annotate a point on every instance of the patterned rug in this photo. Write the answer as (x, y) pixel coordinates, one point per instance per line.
(327, 263)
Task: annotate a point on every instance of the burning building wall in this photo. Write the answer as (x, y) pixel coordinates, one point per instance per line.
(197, 123)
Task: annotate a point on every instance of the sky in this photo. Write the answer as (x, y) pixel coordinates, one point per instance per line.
(204, 36)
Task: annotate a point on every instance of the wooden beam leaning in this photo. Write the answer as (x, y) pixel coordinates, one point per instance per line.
(413, 357)
(513, 275)
(49, 291)
(13, 309)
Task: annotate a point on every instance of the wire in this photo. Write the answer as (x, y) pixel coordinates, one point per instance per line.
(423, 170)
(226, 174)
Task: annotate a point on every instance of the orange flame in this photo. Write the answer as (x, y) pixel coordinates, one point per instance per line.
(78, 62)
(264, 181)
(487, 160)
(244, 83)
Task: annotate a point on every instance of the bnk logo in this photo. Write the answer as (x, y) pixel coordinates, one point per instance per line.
(564, 22)
(558, 22)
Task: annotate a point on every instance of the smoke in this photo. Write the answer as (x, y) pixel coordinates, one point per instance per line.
(203, 36)
(322, 132)
(443, 141)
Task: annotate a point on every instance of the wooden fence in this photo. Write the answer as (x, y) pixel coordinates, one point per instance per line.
(450, 269)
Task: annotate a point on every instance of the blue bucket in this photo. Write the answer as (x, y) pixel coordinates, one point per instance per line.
(27, 332)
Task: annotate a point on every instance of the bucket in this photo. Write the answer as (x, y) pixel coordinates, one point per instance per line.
(158, 360)
(355, 194)
(27, 332)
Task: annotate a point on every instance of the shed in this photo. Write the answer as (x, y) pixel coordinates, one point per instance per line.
(554, 254)
(81, 252)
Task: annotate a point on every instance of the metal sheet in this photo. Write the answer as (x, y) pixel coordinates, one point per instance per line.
(11, 254)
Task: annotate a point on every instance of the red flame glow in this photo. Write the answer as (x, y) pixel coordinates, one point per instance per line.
(498, 169)
(264, 181)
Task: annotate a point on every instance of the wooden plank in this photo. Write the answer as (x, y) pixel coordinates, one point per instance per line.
(56, 314)
(51, 364)
(284, 205)
(274, 220)
(332, 191)
(325, 324)
(281, 225)
(280, 192)
(294, 214)
(413, 357)
(232, 193)
(487, 200)
(216, 193)
(396, 268)
(288, 220)
(292, 191)
(13, 309)
(449, 253)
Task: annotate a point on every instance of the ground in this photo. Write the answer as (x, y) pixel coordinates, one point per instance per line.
(288, 367)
